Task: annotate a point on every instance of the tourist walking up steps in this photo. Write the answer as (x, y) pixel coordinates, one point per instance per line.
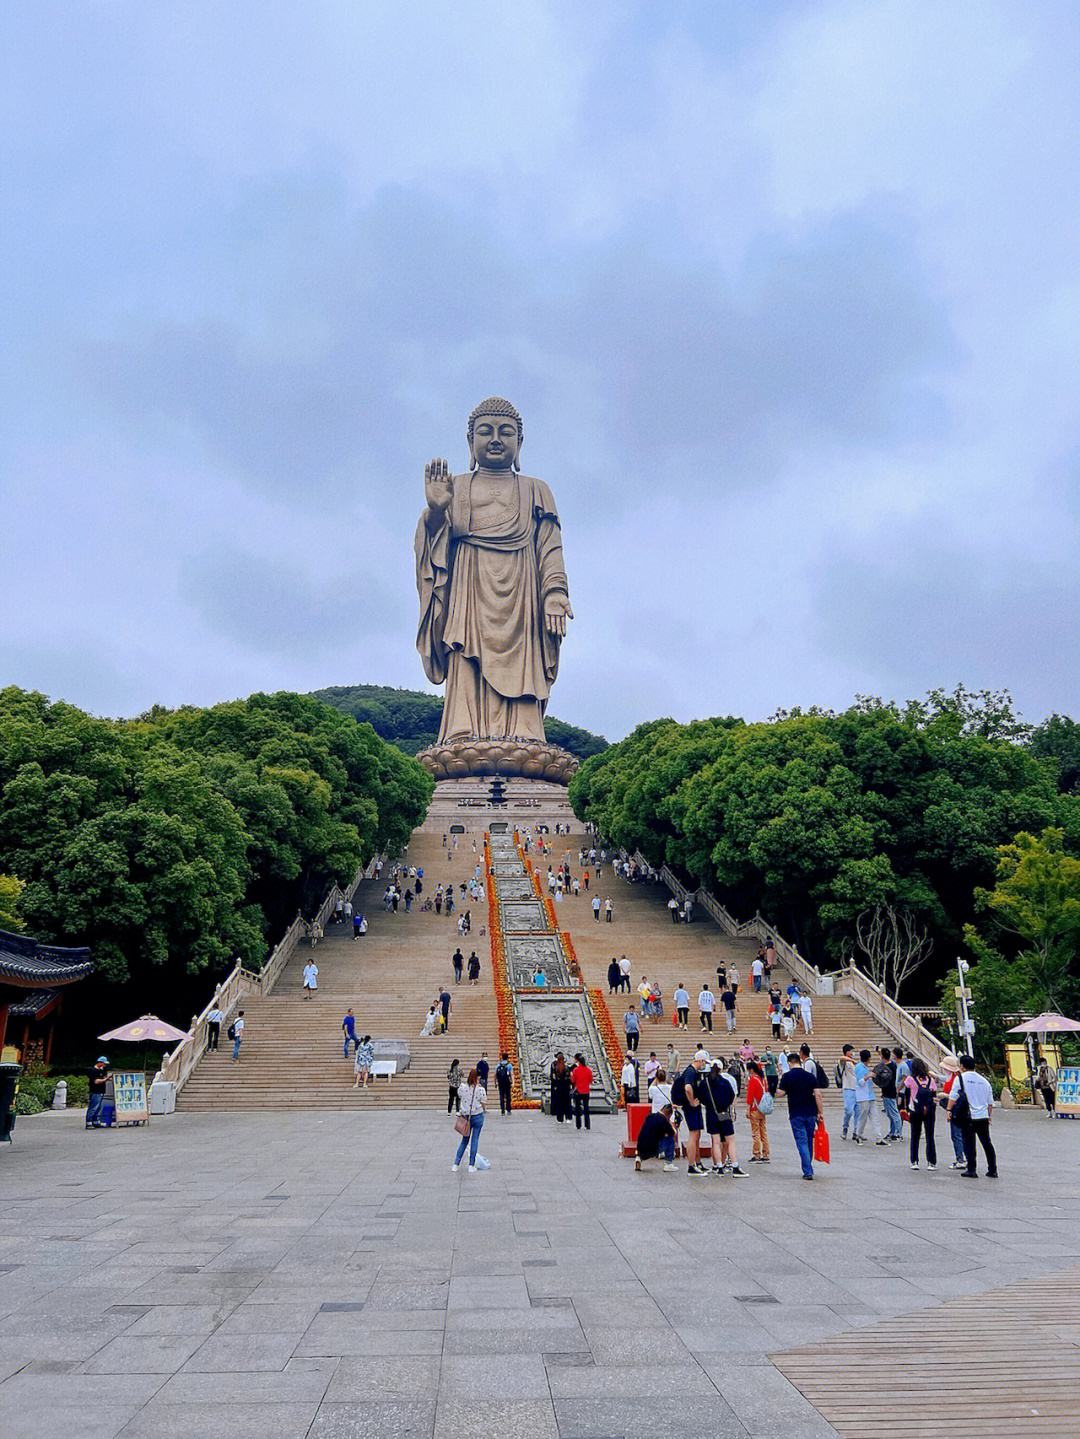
(804, 1109)
(972, 1101)
(473, 1097)
(236, 1034)
(348, 1029)
(213, 1027)
(681, 1000)
(706, 1003)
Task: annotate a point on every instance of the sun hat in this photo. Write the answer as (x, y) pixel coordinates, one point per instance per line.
(951, 1064)
(102, 1059)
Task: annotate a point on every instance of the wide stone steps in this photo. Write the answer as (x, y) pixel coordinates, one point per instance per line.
(292, 1055)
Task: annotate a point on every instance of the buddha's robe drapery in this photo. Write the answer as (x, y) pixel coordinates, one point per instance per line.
(482, 578)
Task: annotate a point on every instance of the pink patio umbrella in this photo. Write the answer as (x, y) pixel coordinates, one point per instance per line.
(1048, 1023)
(147, 1029)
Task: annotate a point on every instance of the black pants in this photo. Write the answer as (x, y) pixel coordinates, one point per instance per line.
(445, 1020)
(581, 1110)
(213, 1034)
(706, 1020)
(979, 1129)
(630, 1094)
(504, 1099)
(684, 1017)
(674, 916)
(560, 1103)
(1047, 1093)
(626, 983)
(453, 1101)
(632, 1037)
(773, 1081)
(923, 1124)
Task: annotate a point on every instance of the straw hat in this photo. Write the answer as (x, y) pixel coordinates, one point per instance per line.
(950, 1064)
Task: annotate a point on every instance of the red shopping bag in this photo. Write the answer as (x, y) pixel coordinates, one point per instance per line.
(675, 1019)
(821, 1143)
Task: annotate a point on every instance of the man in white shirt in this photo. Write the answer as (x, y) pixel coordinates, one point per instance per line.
(629, 1080)
(976, 1124)
(624, 970)
(673, 909)
(706, 1003)
(652, 1065)
(311, 978)
(757, 970)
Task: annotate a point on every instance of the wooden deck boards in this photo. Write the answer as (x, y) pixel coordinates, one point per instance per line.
(1002, 1363)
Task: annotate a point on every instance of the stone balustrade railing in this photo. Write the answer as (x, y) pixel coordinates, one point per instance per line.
(907, 1028)
(178, 1064)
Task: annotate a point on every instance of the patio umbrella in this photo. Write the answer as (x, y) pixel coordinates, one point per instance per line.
(1048, 1023)
(147, 1029)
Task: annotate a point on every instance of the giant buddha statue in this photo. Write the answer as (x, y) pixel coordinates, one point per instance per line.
(494, 605)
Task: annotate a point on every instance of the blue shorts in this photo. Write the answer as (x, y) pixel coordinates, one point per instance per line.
(692, 1115)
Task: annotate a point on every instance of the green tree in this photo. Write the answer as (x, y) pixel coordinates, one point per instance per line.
(1027, 946)
(10, 889)
(1057, 740)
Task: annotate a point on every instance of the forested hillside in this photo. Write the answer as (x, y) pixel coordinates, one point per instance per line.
(410, 719)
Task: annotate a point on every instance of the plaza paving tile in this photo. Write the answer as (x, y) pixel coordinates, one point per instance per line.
(151, 1287)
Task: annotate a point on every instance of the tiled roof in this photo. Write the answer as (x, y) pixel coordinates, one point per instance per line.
(25, 963)
(32, 1002)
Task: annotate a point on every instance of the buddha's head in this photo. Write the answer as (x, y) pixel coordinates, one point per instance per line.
(495, 434)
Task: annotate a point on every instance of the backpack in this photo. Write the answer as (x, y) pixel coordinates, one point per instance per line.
(503, 1071)
(230, 1033)
(838, 1074)
(880, 1075)
(923, 1102)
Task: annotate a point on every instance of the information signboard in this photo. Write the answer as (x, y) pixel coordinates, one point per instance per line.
(1067, 1098)
(129, 1087)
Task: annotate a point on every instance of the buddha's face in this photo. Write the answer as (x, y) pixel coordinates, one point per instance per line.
(495, 442)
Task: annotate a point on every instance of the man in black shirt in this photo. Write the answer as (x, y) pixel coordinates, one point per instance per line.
(99, 1078)
(656, 1138)
(885, 1080)
(804, 1109)
(459, 965)
(687, 1092)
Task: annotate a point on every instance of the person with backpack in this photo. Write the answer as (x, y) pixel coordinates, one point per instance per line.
(845, 1080)
(757, 1095)
(235, 1032)
(921, 1089)
(504, 1082)
(559, 1079)
(885, 1080)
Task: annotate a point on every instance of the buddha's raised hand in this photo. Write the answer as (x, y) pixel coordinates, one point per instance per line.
(556, 613)
(438, 485)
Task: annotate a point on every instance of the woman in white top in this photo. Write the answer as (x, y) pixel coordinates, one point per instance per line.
(473, 1097)
(660, 1091)
(311, 978)
(431, 1022)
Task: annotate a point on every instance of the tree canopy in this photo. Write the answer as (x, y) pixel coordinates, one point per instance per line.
(177, 841)
(410, 719)
(813, 818)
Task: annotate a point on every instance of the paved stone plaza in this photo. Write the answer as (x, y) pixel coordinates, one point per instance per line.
(296, 1275)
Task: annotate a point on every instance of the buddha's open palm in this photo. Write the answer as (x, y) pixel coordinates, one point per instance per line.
(438, 484)
(556, 613)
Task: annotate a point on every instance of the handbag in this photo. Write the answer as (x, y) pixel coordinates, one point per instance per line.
(821, 1143)
(766, 1104)
(463, 1125)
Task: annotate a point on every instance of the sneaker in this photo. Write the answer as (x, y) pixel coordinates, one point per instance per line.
(455, 1167)
(808, 1176)
(637, 1164)
(881, 1143)
(670, 1168)
(765, 1160)
(967, 1174)
(739, 1173)
(994, 1175)
(472, 1168)
(717, 1171)
(755, 1159)
(958, 1164)
(915, 1167)
(695, 1169)
(856, 1140)
(931, 1166)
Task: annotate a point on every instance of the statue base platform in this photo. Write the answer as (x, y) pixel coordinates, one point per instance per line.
(466, 755)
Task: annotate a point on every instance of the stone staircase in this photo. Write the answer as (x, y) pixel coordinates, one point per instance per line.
(292, 1053)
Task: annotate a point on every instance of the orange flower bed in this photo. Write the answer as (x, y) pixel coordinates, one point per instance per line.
(537, 886)
(549, 910)
(608, 1033)
(572, 962)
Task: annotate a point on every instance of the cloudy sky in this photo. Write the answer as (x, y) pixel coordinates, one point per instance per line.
(788, 295)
